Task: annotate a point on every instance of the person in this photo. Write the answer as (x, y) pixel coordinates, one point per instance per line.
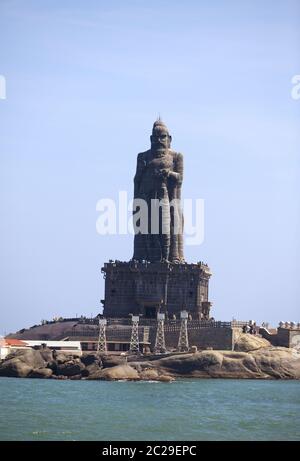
(254, 328)
(244, 329)
(157, 183)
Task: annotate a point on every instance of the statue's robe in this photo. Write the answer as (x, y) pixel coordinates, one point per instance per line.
(167, 244)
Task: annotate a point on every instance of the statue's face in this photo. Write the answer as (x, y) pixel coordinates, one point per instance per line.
(160, 140)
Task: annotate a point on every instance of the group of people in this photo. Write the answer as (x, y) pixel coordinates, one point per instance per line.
(249, 329)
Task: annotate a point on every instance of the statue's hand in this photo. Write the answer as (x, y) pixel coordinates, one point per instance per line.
(174, 176)
(158, 173)
(161, 174)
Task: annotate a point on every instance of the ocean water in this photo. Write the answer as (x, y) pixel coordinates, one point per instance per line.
(206, 409)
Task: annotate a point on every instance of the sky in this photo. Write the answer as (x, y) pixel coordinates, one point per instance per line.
(84, 83)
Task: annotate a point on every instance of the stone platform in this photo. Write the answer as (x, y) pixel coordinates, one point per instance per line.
(143, 288)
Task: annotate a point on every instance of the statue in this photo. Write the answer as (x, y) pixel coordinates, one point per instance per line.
(157, 182)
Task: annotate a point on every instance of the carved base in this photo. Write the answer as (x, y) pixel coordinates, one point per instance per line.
(148, 288)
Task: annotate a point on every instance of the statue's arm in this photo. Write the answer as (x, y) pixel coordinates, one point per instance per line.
(177, 173)
(140, 168)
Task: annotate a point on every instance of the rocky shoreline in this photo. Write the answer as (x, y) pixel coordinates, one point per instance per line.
(253, 358)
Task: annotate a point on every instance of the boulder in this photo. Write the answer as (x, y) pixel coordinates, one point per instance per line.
(264, 363)
(70, 368)
(75, 377)
(15, 368)
(40, 373)
(198, 364)
(31, 357)
(279, 362)
(61, 358)
(46, 354)
(91, 358)
(234, 368)
(165, 378)
(94, 374)
(245, 343)
(111, 361)
(91, 370)
(149, 374)
(119, 372)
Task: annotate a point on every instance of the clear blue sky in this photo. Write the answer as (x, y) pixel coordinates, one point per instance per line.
(85, 81)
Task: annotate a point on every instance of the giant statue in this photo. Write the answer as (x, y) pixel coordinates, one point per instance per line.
(157, 185)
(157, 280)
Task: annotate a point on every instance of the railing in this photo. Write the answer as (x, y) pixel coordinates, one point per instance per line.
(116, 326)
(174, 322)
(238, 323)
(111, 335)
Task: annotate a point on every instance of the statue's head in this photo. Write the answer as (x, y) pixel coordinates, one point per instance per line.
(160, 139)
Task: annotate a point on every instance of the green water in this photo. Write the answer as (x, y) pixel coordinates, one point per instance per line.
(183, 410)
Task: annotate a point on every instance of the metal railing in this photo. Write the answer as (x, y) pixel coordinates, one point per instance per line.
(116, 326)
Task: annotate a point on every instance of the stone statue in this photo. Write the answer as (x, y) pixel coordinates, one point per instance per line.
(157, 182)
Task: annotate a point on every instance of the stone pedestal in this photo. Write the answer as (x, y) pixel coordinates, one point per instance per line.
(142, 288)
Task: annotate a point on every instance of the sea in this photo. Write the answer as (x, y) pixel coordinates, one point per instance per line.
(184, 410)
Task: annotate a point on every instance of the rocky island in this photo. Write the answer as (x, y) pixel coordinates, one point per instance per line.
(253, 358)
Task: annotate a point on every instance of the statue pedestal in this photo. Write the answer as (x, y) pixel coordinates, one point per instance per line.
(148, 288)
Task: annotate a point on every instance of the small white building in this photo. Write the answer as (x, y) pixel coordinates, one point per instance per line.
(8, 345)
(67, 347)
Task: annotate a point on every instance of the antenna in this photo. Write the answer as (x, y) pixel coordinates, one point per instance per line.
(102, 346)
(134, 341)
(160, 346)
(183, 342)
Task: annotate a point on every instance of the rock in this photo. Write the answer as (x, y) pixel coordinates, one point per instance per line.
(46, 354)
(91, 370)
(119, 372)
(265, 363)
(60, 377)
(250, 363)
(62, 358)
(279, 363)
(75, 377)
(15, 368)
(95, 374)
(246, 343)
(137, 366)
(262, 363)
(52, 365)
(40, 373)
(234, 368)
(149, 374)
(31, 357)
(166, 378)
(91, 358)
(70, 368)
(199, 364)
(111, 361)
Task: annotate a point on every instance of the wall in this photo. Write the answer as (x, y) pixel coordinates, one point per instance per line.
(216, 338)
(284, 337)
